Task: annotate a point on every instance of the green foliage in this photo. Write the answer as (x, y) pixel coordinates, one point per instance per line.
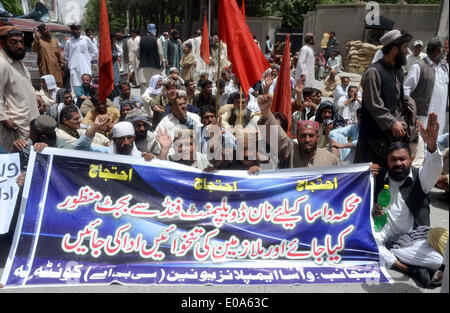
(117, 15)
(290, 10)
(173, 11)
(13, 6)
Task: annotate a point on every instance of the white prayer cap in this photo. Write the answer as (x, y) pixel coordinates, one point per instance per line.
(418, 42)
(50, 81)
(123, 129)
(390, 37)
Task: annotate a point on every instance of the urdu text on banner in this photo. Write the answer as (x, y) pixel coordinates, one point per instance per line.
(94, 219)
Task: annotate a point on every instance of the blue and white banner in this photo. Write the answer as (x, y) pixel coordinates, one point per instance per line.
(93, 219)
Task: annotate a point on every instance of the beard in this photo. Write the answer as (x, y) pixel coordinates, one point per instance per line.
(140, 135)
(15, 55)
(124, 150)
(399, 176)
(242, 113)
(400, 60)
(306, 150)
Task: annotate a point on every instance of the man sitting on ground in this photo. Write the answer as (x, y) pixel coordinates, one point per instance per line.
(123, 139)
(409, 208)
(179, 118)
(69, 129)
(125, 94)
(146, 141)
(101, 108)
(348, 105)
(232, 115)
(42, 135)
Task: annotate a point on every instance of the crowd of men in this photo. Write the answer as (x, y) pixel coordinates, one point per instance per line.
(195, 113)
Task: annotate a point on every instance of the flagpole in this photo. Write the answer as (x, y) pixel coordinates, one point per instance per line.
(218, 78)
(240, 107)
(209, 17)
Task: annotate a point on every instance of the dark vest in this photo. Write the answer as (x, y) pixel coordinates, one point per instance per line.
(417, 201)
(390, 95)
(424, 89)
(149, 56)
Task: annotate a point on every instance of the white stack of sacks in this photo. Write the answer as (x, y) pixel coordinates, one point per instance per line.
(359, 56)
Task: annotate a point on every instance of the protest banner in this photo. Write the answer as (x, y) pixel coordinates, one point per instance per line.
(9, 171)
(94, 219)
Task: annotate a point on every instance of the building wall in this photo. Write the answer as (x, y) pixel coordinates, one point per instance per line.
(260, 27)
(442, 29)
(347, 20)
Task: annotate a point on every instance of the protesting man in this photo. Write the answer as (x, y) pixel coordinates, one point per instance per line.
(427, 83)
(79, 51)
(172, 51)
(151, 55)
(236, 113)
(69, 129)
(382, 101)
(348, 105)
(101, 108)
(18, 103)
(408, 215)
(42, 134)
(341, 89)
(306, 61)
(146, 141)
(416, 56)
(123, 137)
(83, 92)
(49, 57)
(305, 152)
(187, 63)
(179, 118)
(125, 94)
(133, 58)
(332, 44)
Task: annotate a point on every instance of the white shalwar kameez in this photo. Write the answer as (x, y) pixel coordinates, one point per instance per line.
(439, 96)
(305, 66)
(79, 53)
(133, 56)
(400, 221)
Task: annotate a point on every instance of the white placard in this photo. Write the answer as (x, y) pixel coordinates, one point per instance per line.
(9, 171)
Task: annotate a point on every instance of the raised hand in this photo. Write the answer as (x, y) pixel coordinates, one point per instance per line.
(264, 102)
(430, 134)
(19, 144)
(299, 86)
(165, 141)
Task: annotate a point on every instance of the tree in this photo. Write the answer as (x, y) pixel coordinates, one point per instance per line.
(290, 10)
(13, 6)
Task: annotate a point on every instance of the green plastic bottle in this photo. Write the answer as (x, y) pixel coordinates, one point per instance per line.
(384, 199)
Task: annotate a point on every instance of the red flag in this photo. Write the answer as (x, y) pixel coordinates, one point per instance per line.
(204, 47)
(243, 8)
(248, 61)
(105, 62)
(282, 95)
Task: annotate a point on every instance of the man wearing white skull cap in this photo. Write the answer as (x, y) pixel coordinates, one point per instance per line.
(383, 99)
(123, 140)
